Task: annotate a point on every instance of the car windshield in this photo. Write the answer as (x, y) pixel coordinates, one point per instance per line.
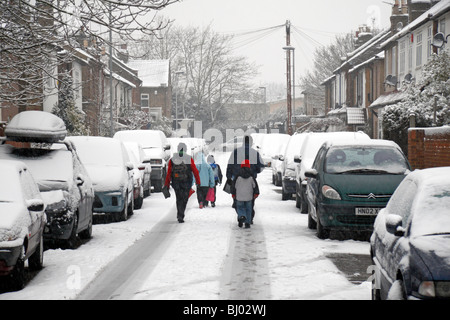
(365, 159)
(10, 190)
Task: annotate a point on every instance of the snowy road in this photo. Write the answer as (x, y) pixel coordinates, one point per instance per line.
(151, 256)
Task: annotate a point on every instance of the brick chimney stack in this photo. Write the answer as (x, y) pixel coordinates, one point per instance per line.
(399, 16)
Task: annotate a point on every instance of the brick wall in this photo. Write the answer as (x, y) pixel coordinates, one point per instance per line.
(429, 147)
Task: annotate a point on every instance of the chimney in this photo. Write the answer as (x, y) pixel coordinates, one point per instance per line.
(417, 8)
(399, 17)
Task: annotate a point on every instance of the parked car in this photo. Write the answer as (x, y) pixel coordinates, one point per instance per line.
(271, 145)
(157, 150)
(310, 147)
(138, 183)
(288, 166)
(411, 239)
(62, 179)
(111, 171)
(145, 169)
(22, 222)
(277, 162)
(350, 181)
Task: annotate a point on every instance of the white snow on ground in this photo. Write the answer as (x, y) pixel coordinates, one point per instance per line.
(194, 263)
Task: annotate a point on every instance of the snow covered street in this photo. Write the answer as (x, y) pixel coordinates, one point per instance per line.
(152, 256)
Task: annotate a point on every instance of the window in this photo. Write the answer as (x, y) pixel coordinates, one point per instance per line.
(145, 103)
(419, 50)
(410, 56)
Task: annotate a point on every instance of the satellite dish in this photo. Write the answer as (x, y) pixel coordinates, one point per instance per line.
(408, 77)
(399, 26)
(439, 40)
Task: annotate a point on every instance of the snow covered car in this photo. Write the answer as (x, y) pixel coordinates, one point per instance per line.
(411, 239)
(61, 177)
(107, 162)
(145, 169)
(308, 152)
(350, 181)
(22, 222)
(138, 178)
(288, 165)
(156, 148)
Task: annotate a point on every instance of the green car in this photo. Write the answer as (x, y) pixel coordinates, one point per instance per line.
(350, 181)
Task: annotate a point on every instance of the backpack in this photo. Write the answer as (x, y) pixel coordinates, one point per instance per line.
(180, 172)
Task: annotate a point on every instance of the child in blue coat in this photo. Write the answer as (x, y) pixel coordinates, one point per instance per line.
(206, 178)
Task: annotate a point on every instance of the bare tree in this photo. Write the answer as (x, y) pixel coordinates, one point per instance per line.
(36, 36)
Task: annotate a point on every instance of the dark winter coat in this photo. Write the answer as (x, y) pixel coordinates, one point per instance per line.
(245, 152)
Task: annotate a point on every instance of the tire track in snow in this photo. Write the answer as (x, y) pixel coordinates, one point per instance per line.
(246, 271)
(124, 275)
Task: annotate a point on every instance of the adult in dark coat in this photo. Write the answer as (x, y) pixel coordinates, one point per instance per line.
(181, 171)
(237, 157)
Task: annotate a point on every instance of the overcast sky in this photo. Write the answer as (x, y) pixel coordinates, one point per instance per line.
(314, 23)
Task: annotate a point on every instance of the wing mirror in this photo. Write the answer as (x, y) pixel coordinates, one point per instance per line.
(394, 224)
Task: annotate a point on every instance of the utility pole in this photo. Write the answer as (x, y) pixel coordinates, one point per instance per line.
(288, 78)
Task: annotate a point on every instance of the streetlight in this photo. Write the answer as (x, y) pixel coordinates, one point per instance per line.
(288, 50)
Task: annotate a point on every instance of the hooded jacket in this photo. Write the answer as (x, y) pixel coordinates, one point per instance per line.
(205, 171)
(244, 186)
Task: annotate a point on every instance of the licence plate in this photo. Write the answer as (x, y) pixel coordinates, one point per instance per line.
(367, 211)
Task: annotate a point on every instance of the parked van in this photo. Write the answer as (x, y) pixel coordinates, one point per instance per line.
(157, 151)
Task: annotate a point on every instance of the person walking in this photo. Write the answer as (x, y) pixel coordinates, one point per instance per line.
(244, 152)
(206, 178)
(217, 176)
(244, 189)
(181, 172)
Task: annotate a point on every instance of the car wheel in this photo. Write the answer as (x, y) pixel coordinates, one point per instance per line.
(72, 242)
(17, 277)
(311, 222)
(321, 231)
(138, 202)
(87, 233)
(123, 215)
(36, 260)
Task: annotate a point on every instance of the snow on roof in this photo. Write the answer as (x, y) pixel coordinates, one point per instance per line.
(388, 99)
(153, 73)
(435, 11)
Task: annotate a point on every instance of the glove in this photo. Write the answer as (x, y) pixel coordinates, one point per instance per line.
(255, 196)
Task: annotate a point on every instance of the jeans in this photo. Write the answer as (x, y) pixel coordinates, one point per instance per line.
(244, 209)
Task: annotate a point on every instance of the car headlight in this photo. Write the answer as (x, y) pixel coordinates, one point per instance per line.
(432, 289)
(330, 193)
(59, 207)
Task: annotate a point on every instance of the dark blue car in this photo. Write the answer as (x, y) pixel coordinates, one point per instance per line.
(410, 245)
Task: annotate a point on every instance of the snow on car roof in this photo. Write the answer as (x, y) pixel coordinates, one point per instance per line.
(371, 143)
(36, 126)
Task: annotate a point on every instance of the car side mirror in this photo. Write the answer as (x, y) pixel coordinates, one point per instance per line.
(167, 147)
(311, 173)
(130, 166)
(394, 225)
(35, 205)
(297, 159)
